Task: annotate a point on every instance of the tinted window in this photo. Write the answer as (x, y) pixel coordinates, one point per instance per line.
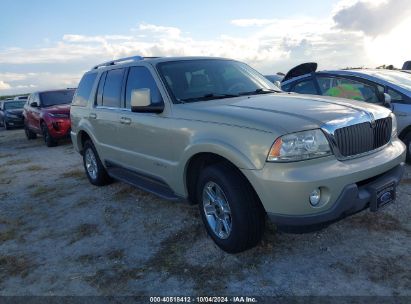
(84, 90)
(348, 88)
(99, 96)
(141, 78)
(305, 87)
(56, 97)
(397, 97)
(112, 88)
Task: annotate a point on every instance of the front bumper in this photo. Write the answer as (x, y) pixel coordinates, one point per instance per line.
(14, 122)
(284, 188)
(354, 198)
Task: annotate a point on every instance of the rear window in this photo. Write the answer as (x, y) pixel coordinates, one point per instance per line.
(84, 90)
(56, 97)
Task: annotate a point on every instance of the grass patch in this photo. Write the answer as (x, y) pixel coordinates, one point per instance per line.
(12, 266)
(75, 173)
(42, 190)
(35, 168)
(83, 231)
(14, 162)
(5, 155)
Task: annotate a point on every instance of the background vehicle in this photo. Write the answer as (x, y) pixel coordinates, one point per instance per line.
(11, 113)
(407, 65)
(275, 79)
(24, 98)
(48, 113)
(216, 132)
(364, 85)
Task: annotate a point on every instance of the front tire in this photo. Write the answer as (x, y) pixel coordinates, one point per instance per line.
(5, 125)
(407, 142)
(48, 139)
(229, 208)
(95, 171)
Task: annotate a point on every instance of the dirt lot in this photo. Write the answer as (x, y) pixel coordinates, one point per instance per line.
(59, 235)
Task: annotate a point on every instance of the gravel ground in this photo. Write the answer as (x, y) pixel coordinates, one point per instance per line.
(59, 235)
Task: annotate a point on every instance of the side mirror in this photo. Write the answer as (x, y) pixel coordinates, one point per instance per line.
(34, 104)
(141, 102)
(387, 101)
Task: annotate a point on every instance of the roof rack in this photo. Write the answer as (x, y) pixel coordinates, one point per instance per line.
(113, 62)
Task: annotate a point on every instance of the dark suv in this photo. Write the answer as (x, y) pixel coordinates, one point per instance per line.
(11, 113)
(48, 113)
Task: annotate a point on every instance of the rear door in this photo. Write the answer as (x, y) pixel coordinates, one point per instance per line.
(104, 115)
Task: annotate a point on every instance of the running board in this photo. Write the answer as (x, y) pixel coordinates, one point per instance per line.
(141, 181)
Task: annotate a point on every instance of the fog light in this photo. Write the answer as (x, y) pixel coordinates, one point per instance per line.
(315, 197)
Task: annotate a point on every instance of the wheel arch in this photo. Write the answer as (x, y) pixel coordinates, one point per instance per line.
(201, 160)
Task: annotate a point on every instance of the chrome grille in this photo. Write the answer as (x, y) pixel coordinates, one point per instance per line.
(363, 137)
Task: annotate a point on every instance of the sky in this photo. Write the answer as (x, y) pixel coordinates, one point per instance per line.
(47, 44)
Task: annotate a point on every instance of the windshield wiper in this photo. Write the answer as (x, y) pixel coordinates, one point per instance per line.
(259, 91)
(209, 96)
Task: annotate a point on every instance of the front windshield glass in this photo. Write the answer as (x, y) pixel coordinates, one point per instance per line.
(207, 79)
(399, 78)
(53, 98)
(11, 105)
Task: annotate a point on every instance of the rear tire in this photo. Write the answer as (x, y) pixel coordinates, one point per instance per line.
(236, 219)
(50, 141)
(29, 134)
(95, 171)
(407, 142)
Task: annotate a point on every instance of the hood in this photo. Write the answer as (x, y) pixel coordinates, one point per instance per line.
(63, 109)
(281, 112)
(299, 70)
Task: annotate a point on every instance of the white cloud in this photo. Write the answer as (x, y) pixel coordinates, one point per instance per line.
(373, 18)
(4, 85)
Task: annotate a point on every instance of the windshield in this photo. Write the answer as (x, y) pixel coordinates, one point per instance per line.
(206, 79)
(11, 105)
(56, 97)
(399, 78)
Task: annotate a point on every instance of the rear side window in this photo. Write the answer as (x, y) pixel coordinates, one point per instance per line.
(305, 87)
(141, 78)
(348, 88)
(84, 90)
(112, 88)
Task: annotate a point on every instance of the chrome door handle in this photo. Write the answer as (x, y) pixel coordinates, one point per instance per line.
(125, 120)
(92, 115)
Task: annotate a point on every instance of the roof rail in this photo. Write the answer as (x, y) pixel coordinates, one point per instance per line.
(113, 62)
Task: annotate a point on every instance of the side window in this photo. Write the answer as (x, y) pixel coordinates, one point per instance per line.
(112, 88)
(396, 96)
(305, 87)
(141, 78)
(84, 90)
(99, 96)
(348, 88)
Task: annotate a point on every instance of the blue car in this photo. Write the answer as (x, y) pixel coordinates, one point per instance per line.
(390, 88)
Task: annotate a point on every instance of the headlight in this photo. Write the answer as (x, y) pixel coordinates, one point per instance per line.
(299, 146)
(12, 115)
(394, 132)
(58, 115)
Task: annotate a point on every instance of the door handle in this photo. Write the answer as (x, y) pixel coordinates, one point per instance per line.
(92, 115)
(125, 120)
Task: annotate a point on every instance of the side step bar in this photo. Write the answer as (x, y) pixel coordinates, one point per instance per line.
(141, 181)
